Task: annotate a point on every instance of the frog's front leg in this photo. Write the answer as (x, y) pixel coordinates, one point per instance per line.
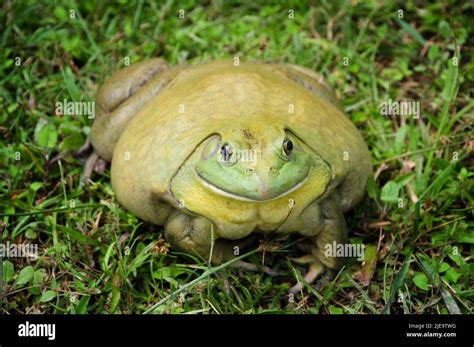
(195, 235)
(332, 230)
(118, 100)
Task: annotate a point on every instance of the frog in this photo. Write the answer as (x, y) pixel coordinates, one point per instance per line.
(223, 152)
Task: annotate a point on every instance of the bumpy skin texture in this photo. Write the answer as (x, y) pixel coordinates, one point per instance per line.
(164, 130)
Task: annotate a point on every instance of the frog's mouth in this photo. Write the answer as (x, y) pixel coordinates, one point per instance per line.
(263, 193)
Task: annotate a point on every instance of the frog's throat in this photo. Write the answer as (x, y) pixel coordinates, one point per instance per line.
(225, 193)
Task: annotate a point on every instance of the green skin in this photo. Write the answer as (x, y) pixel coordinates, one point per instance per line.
(240, 181)
(172, 169)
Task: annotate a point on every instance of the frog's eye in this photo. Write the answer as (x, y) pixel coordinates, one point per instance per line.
(226, 152)
(287, 146)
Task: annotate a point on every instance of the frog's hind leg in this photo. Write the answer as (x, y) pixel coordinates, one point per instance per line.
(194, 235)
(322, 259)
(118, 100)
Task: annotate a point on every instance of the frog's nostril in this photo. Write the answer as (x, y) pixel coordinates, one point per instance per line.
(249, 171)
(273, 170)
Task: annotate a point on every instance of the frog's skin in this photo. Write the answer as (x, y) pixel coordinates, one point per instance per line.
(167, 132)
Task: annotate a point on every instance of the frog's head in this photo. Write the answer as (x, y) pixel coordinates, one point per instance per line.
(255, 164)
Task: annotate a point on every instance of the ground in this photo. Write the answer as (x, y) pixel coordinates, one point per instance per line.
(95, 257)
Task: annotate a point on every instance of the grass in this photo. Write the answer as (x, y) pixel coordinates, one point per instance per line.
(95, 257)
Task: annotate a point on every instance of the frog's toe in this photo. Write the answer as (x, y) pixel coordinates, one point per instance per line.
(323, 280)
(89, 166)
(315, 270)
(93, 163)
(85, 150)
(225, 250)
(100, 166)
(243, 265)
(304, 260)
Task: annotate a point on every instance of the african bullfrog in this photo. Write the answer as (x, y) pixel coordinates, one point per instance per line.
(220, 151)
